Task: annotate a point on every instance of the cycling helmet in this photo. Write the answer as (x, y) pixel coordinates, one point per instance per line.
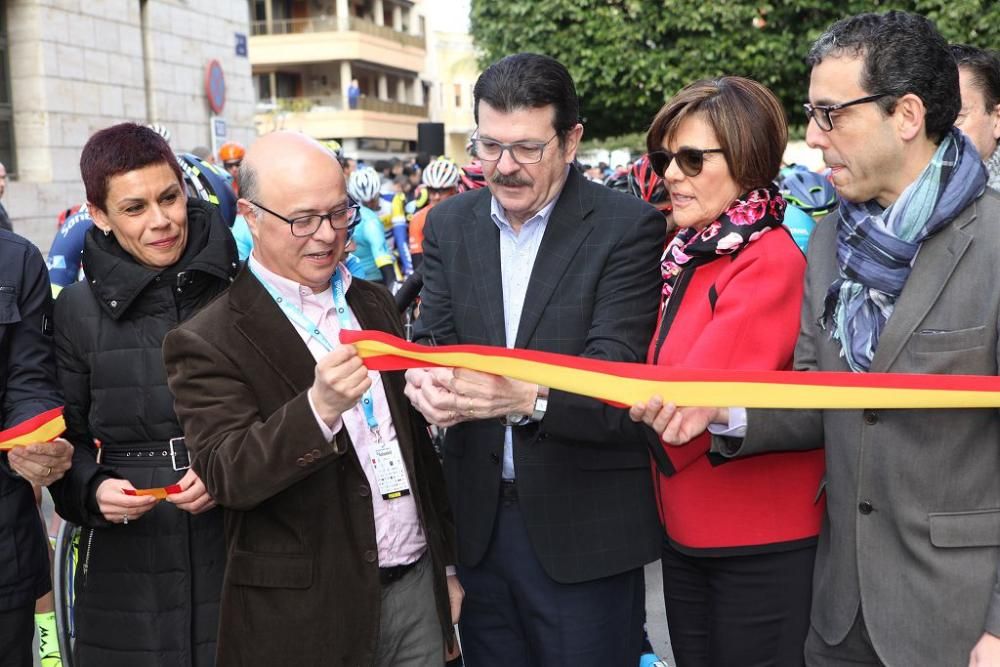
(441, 174)
(335, 147)
(231, 151)
(646, 185)
(811, 192)
(472, 177)
(364, 185)
(160, 130)
(618, 181)
(210, 183)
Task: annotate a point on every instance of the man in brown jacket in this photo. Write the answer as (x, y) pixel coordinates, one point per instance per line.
(337, 524)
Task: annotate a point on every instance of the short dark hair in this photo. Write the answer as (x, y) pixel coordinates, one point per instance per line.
(529, 81)
(902, 53)
(118, 149)
(747, 119)
(984, 66)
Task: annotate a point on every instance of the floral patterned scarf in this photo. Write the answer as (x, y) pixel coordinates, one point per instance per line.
(747, 219)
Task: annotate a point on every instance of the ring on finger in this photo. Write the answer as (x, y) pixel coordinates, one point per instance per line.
(48, 471)
(125, 518)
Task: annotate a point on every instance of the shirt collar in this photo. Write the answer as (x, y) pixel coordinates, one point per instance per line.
(500, 216)
(288, 288)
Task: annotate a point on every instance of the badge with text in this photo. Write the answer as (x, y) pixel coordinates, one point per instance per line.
(390, 472)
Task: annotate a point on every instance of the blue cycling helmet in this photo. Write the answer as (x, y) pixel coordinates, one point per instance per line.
(812, 192)
(206, 181)
(800, 224)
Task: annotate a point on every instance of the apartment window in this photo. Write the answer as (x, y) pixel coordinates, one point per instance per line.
(458, 96)
(6, 110)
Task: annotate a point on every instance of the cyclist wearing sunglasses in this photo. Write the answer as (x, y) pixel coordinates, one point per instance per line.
(441, 179)
(739, 539)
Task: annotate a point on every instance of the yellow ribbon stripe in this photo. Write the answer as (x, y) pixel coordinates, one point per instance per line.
(620, 390)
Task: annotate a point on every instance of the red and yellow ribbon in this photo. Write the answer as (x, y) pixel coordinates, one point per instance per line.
(45, 427)
(626, 384)
(159, 492)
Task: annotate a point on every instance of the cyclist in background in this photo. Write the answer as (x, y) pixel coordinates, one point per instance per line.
(231, 154)
(440, 178)
(375, 262)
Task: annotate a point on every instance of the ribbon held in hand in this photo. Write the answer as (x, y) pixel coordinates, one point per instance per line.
(626, 384)
(159, 493)
(45, 427)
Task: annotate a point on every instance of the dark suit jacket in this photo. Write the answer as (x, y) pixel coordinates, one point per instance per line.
(594, 292)
(302, 583)
(912, 532)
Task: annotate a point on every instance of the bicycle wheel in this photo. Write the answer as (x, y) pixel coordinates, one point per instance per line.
(67, 542)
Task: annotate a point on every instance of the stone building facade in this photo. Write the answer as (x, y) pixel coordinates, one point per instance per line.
(76, 66)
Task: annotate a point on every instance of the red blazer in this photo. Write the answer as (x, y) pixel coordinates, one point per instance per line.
(739, 312)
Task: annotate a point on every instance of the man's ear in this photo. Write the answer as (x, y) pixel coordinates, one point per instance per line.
(911, 116)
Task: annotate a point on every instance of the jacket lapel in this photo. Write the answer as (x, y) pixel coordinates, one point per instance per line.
(935, 263)
(482, 239)
(261, 321)
(567, 228)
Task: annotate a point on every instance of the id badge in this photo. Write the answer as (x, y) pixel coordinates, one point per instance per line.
(390, 471)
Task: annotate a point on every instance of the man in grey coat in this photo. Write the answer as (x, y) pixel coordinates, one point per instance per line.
(901, 279)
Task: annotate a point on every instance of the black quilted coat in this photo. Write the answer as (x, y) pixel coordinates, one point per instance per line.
(147, 592)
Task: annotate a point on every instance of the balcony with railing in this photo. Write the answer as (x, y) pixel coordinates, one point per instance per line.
(328, 116)
(327, 38)
(330, 24)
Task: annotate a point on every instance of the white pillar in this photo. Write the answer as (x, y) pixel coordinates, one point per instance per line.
(401, 90)
(345, 81)
(379, 13)
(418, 92)
(268, 17)
(343, 18)
(397, 18)
(383, 87)
(414, 22)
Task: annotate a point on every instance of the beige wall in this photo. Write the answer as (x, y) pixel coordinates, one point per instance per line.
(77, 67)
(314, 47)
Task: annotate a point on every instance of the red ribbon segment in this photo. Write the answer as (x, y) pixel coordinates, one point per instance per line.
(625, 384)
(44, 427)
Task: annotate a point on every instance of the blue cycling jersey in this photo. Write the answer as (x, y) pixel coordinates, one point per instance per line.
(66, 253)
(371, 252)
(800, 224)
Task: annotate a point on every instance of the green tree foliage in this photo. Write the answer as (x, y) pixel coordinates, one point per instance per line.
(628, 56)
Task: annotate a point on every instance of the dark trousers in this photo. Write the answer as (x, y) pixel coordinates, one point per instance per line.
(751, 611)
(17, 629)
(856, 649)
(515, 615)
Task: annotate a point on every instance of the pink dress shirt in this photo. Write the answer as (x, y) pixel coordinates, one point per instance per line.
(398, 532)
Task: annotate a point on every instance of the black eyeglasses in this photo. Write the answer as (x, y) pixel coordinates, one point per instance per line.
(523, 152)
(690, 160)
(346, 218)
(821, 112)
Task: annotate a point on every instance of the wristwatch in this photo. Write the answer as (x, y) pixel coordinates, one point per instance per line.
(541, 404)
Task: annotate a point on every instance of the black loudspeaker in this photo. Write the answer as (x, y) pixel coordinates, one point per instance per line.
(430, 138)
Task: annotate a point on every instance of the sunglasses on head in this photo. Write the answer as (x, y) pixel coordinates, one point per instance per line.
(689, 160)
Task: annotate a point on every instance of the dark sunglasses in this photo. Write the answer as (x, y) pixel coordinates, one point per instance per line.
(690, 160)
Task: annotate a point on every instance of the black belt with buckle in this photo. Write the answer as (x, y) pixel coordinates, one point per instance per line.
(172, 453)
(388, 575)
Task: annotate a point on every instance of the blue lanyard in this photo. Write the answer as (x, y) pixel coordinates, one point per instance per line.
(299, 319)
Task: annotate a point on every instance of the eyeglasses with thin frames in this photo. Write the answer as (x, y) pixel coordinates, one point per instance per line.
(690, 160)
(346, 218)
(821, 112)
(523, 152)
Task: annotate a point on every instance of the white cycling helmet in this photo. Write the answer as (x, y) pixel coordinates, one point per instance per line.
(364, 184)
(441, 174)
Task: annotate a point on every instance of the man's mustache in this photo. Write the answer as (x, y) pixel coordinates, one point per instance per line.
(508, 180)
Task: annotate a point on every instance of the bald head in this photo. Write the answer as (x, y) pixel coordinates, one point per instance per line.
(288, 177)
(277, 156)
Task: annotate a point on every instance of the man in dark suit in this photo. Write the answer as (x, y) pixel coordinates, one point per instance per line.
(337, 524)
(553, 526)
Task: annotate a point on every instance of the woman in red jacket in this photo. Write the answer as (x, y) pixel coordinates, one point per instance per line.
(739, 534)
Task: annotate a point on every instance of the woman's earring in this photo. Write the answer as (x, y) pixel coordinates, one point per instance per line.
(107, 232)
